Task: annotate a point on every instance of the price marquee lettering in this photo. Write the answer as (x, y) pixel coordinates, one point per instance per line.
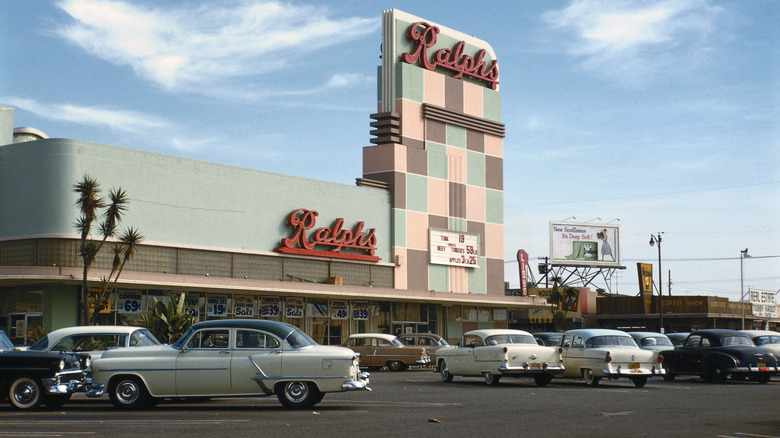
(454, 249)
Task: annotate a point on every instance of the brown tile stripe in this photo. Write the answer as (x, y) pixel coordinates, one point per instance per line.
(460, 119)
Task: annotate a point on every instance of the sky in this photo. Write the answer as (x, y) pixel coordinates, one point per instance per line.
(658, 116)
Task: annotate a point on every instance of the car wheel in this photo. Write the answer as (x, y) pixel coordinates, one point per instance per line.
(542, 379)
(491, 379)
(669, 377)
(590, 378)
(298, 395)
(761, 378)
(55, 401)
(639, 381)
(444, 372)
(397, 365)
(716, 375)
(128, 393)
(25, 393)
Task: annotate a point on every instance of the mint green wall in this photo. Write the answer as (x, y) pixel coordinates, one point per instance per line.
(175, 200)
(60, 306)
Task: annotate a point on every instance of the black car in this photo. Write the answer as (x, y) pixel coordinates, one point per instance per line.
(28, 379)
(551, 339)
(715, 354)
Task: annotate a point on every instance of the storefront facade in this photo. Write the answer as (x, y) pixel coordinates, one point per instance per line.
(416, 246)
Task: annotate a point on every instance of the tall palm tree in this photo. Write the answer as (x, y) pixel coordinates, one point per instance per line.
(89, 203)
(123, 252)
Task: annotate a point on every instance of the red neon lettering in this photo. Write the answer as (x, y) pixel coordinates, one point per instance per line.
(451, 59)
(335, 237)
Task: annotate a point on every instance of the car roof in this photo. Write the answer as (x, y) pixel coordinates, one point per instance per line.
(492, 332)
(760, 332)
(589, 333)
(96, 329)
(548, 334)
(430, 335)
(280, 329)
(384, 336)
(719, 332)
(646, 334)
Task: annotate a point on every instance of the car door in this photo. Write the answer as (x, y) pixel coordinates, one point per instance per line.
(203, 364)
(689, 355)
(256, 361)
(573, 354)
(367, 351)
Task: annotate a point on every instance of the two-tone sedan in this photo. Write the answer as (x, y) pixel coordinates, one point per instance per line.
(496, 353)
(379, 349)
(95, 339)
(716, 354)
(593, 354)
(229, 358)
(29, 379)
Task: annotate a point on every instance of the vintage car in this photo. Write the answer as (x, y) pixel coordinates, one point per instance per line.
(229, 358)
(593, 354)
(715, 354)
(95, 340)
(765, 339)
(677, 338)
(28, 379)
(652, 341)
(428, 340)
(495, 353)
(550, 339)
(378, 349)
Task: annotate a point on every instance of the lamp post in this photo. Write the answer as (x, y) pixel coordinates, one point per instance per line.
(653, 241)
(742, 255)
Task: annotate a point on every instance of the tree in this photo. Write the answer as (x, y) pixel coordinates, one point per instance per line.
(90, 203)
(562, 297)
(167, 322)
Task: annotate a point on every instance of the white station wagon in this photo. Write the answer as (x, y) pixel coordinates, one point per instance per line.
(496, 353)
(593, 354)
(229, 358)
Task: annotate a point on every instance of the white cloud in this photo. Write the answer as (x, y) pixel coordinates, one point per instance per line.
(127, 121)
(632, 41)
(197, 48)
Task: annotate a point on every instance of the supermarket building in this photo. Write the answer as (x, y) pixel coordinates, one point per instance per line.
(416, 246)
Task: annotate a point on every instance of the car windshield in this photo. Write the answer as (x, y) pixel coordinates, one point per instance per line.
(41, 345)
(736, 340)
(443, 342)
(5, 343)
(768, 339)
(611, 341)
(299, 339)
(656, 340)
(510, 339)
(143, 338)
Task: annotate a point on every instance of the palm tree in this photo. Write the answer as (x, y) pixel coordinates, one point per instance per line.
(89, 203)
(123, 252)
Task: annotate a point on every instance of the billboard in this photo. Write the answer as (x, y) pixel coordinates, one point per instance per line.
(576, 244)
(763, 302)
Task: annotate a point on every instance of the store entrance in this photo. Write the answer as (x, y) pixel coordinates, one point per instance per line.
(19, 326)
(405, 327)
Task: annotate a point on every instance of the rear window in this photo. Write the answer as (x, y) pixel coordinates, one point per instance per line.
(610, 341)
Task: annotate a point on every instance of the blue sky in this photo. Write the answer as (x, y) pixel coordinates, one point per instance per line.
(663, 114)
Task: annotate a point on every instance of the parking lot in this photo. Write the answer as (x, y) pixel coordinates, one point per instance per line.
(416, 403)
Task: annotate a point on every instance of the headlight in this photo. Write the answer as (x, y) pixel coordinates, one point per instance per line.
(62, 364)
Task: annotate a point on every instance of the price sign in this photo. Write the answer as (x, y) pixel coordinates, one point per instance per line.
(269, 307)
(192, 307)
(243, 306)
(128, 302)
(360, 310)
(216, 305)
(339, 309)
(454, 248)
(294, 308)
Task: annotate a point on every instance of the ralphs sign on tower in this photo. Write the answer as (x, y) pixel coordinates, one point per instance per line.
(439, 148)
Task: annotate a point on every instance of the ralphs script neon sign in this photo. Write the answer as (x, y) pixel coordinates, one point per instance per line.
(335, 237)
(424, 36)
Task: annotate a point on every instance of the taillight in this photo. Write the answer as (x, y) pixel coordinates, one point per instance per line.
(660, 358)
(608, 359)
(505, 349)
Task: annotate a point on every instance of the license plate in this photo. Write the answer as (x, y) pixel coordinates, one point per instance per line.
(535, 365)
(633, 365)
(761, 364)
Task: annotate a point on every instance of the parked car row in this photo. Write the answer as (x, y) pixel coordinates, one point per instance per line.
(269, 358)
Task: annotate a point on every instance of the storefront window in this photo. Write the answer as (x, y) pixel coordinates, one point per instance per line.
(317, 319)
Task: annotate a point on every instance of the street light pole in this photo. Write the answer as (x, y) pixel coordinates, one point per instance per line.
(653, 241)
(742, 255)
